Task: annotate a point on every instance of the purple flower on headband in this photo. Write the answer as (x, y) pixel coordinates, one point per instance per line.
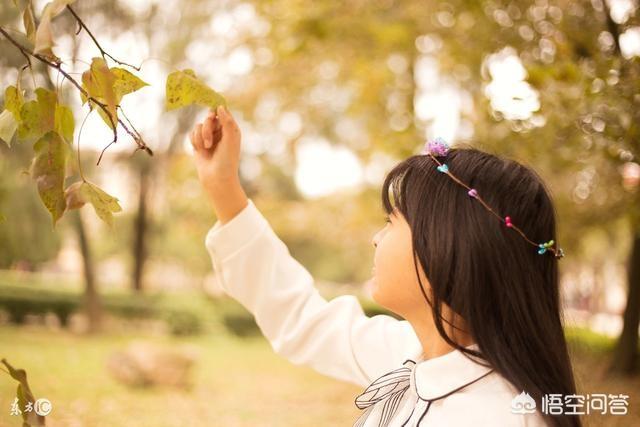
(437, 147)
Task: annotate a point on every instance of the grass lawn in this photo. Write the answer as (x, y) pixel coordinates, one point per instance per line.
(237, 382)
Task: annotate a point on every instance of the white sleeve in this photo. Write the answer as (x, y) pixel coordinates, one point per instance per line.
(333, 337)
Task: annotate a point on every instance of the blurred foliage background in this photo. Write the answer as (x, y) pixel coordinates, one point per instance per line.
(329, 96)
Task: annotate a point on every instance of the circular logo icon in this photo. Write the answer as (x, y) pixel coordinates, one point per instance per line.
(43, 407)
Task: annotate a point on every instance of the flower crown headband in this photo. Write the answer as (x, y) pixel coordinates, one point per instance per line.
(439, 148)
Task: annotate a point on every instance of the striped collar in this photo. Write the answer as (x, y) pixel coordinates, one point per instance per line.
(440, 376)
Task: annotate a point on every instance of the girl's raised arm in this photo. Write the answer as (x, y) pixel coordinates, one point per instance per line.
(333, 337)
(255, 267)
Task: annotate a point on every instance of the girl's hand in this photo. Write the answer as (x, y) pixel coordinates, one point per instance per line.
(216, 143)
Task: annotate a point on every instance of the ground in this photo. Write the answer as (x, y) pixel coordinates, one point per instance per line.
(237, 382)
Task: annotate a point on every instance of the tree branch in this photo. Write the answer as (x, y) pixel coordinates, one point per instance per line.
(58, 66)
(102, 51)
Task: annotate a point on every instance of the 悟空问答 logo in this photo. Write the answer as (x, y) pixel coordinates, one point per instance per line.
(523, 404)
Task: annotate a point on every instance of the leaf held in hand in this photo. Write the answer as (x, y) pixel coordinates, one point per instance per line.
(183, 88)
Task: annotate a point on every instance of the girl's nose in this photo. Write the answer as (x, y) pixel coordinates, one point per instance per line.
(375, 239)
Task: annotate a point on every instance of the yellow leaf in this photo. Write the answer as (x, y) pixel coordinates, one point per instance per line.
(48, 170)
(183, 88)
(38, 117)
(99, 82)
(125, 83)
(8, 126)
(81, 192)
(10, 117)
(64, 123)
(13, 101)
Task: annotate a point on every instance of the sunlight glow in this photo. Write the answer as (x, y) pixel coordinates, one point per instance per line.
(508, 91)
(322, 168)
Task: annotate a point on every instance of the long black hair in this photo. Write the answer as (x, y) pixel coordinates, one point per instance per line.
(486, 273)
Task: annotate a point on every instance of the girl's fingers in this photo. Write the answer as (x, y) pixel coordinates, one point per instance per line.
(228, 123)
(197, 137)
(192, 138)
(226, 120)
(207, 132)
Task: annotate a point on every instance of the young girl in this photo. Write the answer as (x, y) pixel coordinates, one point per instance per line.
(459, 259)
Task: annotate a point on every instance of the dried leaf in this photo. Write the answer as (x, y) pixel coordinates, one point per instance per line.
(44, 35)
(83, 192)
(29, 23)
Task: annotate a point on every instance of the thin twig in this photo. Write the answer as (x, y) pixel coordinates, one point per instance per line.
(128, 121)
(79, 135)
(102, 51)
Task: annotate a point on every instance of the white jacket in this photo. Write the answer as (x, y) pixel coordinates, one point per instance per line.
(337, 339)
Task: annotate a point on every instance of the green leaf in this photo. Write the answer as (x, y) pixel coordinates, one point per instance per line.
(24, 395)
(125, 83)
(99, 83)
(105, 205)
(183, 88)
(13, 101)
(10, 117)
(48, 170)
(64, 123)
(8, 126)
(38, 116)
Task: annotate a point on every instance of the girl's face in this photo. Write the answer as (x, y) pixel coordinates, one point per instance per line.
(395, 285)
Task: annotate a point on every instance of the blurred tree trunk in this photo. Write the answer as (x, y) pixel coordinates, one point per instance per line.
(92, 305)
(626, 352)
(140, 231)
